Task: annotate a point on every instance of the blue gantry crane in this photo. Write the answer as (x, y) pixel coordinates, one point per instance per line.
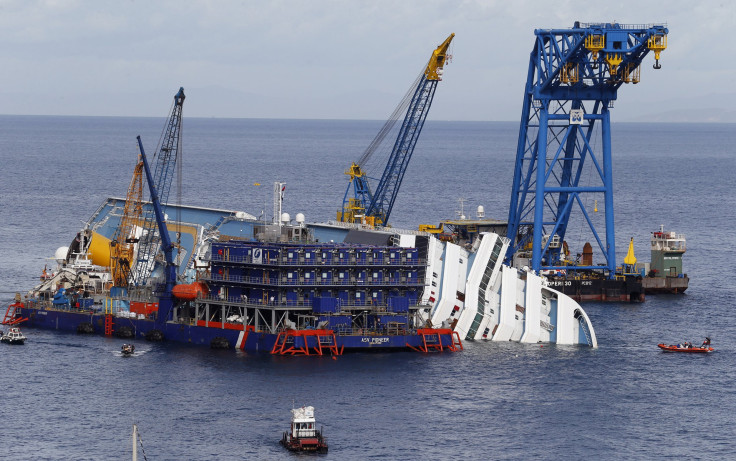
(360, 203)
(169, 151)
(573, 79)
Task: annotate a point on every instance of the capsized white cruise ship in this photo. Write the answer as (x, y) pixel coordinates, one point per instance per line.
(472, 291)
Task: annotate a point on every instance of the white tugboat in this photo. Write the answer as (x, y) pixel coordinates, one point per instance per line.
(14, 336)
(303, 435)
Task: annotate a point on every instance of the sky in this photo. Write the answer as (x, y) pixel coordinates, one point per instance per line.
(337, 59)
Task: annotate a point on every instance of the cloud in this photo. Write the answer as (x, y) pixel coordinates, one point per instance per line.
(326, 59)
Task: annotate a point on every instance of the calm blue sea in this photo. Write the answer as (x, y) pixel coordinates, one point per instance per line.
(74, 397)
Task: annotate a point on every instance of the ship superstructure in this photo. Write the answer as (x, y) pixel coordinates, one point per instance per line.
(294, 282)
(664, 274)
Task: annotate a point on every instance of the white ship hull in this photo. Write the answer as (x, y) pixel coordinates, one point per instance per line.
(483, 299)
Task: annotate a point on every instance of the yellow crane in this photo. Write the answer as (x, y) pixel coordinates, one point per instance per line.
(123, 241)
(361, 204)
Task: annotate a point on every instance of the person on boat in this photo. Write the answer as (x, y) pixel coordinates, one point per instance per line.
(706, 342)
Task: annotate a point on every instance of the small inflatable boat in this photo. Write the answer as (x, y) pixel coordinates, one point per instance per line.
(685, 348)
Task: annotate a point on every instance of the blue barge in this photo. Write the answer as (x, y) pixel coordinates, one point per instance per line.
(250, 283)
(213, 334)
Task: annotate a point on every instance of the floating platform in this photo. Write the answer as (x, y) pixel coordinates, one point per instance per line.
(596, 288)
(665, 285)
(237, 336)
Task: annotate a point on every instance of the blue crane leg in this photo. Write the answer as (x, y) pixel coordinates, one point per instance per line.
(539, 197)
(608, 184)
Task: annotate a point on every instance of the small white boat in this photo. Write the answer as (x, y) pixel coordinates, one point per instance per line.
(303, 435)
(14, 336)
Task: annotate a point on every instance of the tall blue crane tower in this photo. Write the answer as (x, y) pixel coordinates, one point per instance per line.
(573, 79)
(169, 150)
(374, 208)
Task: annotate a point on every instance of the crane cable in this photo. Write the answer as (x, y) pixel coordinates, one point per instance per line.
(179, 174)
(391, 122)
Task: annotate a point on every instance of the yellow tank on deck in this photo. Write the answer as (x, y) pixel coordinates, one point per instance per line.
(99, 250)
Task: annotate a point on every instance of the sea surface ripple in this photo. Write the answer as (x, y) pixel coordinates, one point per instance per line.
(75, 397)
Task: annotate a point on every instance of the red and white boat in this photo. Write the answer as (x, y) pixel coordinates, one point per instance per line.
(686, 348)
(303, 435)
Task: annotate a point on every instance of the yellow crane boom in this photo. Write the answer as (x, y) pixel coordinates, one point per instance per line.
(123, 240)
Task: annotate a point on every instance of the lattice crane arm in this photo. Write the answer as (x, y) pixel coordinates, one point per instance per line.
(168, 152)
(124, 237)
(360, 203)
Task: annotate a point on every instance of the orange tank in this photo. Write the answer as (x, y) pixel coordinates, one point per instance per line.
(190, 291)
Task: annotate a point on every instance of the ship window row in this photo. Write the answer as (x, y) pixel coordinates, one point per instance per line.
(475, 325)
(485, 280)
(247, 253)
(356, 261)
(308, 273)
(379, 281)
(669, 245)
(320, 300)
